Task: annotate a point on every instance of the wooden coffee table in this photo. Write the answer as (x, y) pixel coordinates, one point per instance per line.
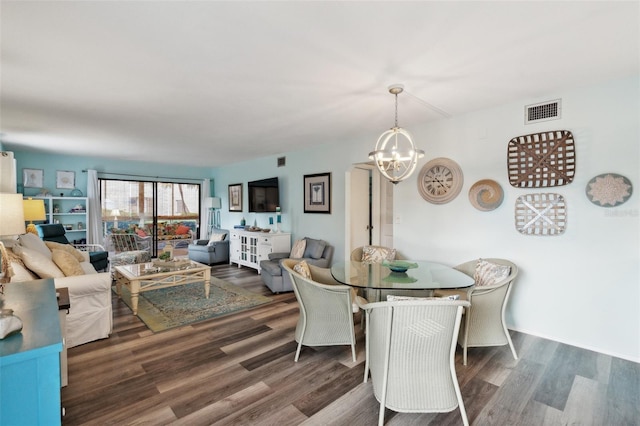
(148, 276)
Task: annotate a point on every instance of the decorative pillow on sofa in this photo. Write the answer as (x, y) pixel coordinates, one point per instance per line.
(375, 254)
(67, 263)
(303, 269)
(20, 271)
(488, 273)
(182, 230)
(214, 238)
(52, 245)
(34, 242)
(38, 263)
(314, 248)
(297, 251)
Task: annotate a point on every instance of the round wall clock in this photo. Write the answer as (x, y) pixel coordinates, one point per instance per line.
(440, 180)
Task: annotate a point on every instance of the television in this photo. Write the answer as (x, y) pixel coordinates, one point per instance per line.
(264, 195)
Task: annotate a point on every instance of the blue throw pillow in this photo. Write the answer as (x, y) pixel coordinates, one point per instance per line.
(314, 248)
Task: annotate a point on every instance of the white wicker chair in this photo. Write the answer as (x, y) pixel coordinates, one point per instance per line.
(410, 352)
(326, 309)
(484, 324)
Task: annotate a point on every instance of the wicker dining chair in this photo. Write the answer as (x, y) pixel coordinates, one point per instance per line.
(326, 309)
(410, 354)
(484, 324)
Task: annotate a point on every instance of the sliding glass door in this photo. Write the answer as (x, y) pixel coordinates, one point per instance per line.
(165, 212)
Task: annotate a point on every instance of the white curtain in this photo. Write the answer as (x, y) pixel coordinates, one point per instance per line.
(94, 229)
(205, 203)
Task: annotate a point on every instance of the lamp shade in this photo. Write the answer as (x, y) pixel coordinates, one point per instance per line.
(115, 212)
(34, 210)
(216, 202)
(11, 215)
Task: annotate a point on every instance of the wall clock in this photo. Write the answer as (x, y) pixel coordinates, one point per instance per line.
(440, 180)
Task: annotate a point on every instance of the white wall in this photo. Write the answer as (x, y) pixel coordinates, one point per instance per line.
(581, 288)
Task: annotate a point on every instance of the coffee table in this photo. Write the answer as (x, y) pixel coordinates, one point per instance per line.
(149, 276)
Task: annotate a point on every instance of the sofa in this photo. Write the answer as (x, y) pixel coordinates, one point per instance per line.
(90, 314)
(213, 250)
(315, 252)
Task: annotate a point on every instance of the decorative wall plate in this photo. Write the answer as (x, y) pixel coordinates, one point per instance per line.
(440, 180)
(541, 214)
(541, 160)
(609, 190)
(486, 195)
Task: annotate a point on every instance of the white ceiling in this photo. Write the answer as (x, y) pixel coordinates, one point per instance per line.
(229, 81)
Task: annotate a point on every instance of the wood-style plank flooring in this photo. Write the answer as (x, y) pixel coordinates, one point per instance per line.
(239, 370)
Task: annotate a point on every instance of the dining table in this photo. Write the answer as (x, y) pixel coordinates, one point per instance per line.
(390, 276)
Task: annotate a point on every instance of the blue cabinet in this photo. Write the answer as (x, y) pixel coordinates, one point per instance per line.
(30, 360)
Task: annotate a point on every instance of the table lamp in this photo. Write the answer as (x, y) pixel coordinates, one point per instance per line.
(33, 210)
(115, 213)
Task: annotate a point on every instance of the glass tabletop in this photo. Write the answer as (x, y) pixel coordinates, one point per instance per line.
(155, 267)
(423, 275)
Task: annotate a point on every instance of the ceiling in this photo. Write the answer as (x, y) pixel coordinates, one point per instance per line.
(229, 81)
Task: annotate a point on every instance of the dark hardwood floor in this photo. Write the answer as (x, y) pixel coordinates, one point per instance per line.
(239, 370)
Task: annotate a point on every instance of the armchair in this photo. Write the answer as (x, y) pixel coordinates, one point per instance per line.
(316, 252)
(410, 353)
(326, 309)
(55, 232)
(213, 250)
(484, 323)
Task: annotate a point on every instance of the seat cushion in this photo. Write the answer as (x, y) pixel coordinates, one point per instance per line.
(271, 267)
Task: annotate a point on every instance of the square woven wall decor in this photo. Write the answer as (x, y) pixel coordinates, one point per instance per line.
(541, 160)
(541, 214)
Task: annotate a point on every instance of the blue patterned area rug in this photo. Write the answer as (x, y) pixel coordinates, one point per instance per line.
(172, 307)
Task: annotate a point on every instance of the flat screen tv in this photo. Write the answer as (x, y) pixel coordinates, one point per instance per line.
(264, 195)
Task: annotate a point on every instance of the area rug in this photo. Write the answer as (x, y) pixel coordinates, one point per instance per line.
(171, 307)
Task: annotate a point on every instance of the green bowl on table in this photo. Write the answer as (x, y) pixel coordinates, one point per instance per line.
(399, 265)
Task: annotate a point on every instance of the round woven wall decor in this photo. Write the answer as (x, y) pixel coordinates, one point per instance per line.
(486, 195)
(609, 190)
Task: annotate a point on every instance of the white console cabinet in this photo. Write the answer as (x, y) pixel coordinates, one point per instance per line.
(249, 248)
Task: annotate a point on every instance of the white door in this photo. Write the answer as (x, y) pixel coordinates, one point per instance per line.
(360, 208)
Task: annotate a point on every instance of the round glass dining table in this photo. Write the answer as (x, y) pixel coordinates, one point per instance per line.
(422, 275)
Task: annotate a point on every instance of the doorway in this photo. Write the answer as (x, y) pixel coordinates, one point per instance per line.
(369, 201)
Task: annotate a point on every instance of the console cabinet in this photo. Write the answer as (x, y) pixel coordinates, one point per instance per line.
(249, 248)
(30, 360)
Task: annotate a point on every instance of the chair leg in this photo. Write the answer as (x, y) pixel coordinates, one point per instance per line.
(298, 351)
(513, 349)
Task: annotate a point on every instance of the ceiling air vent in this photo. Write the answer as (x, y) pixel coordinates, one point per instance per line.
(281, 161)
(544, 111)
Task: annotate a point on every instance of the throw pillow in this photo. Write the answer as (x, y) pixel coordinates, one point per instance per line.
(182, 230)
(52, 245)
(34, 242)
(303, 269)
(141, 233)
(489, 273)
(314, 248)
(38, 263)
(216, 237)
(376, 254)
(67, 263)
(297, 251)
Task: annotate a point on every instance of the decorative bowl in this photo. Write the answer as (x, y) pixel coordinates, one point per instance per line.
(399, 265)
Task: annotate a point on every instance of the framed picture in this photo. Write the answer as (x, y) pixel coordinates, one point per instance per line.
(65, 179)
(317, 193)
(33, 178)
(235, 197)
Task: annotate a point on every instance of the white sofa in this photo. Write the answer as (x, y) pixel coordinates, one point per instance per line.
(90, 314)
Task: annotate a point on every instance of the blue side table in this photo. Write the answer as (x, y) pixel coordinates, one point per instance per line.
(30, 360)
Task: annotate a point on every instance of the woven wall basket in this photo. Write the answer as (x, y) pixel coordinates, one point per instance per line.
(541, 160)
(541, 214)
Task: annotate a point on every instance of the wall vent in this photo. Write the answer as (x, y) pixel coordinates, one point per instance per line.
(545, 111)
(281, 161)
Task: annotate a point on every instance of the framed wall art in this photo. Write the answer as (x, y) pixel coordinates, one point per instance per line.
(317, 193)
(65, 179)
(235, 197)
(32, 178)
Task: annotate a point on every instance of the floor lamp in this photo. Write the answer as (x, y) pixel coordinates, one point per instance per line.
(33, 210)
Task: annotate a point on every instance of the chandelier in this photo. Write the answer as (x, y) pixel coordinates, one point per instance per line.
(395, 154)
